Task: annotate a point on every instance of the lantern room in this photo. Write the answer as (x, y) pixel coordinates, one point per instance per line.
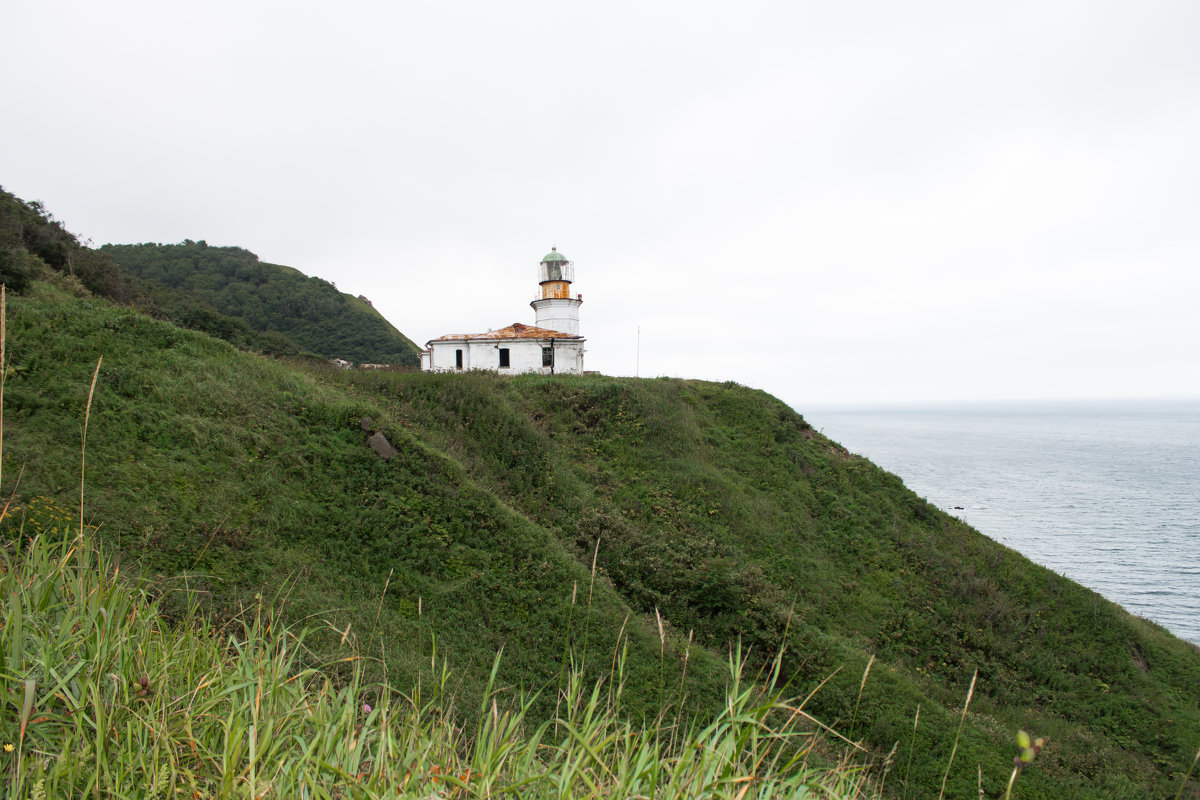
(555, 274)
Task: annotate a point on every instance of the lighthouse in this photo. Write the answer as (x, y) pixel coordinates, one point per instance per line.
(551, 346)
(556, 308)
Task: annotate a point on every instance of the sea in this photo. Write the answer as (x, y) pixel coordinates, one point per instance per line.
(1106, 493)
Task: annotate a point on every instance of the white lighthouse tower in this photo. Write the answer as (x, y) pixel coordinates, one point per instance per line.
(556, 309)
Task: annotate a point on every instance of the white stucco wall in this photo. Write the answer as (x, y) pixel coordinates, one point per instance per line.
(558, 314)
(568, 357)
(524, 355)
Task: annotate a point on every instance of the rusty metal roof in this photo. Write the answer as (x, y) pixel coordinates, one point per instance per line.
(514, 331)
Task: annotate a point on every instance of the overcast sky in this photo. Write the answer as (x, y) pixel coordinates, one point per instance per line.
(838, 202)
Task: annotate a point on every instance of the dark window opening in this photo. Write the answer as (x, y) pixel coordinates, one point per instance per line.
(504, 356)
(547, 356)
(458, 359)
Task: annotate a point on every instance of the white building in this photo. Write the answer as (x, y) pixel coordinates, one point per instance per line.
(551, 346)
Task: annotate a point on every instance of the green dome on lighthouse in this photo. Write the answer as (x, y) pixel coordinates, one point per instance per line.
(553, 255)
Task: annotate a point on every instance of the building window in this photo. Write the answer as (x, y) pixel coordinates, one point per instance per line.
(547, 356)
(503, 356)
(458, 359)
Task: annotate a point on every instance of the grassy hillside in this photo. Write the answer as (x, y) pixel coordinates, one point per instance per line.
(269, 297)
(712, 507)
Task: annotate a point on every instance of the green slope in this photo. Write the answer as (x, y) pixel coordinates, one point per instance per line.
(308, 311)
(719, 506)
(713, 503)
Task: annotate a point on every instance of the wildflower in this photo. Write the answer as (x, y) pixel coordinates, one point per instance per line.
(366, 707)
(1029, 749)
(8, 747)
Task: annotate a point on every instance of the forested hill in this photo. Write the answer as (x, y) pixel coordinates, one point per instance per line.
(271, 297)
(223, 291)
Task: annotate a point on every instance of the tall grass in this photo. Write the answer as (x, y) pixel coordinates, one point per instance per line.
(104, 699)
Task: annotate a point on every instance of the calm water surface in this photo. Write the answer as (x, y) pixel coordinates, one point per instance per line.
(1107, 494)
